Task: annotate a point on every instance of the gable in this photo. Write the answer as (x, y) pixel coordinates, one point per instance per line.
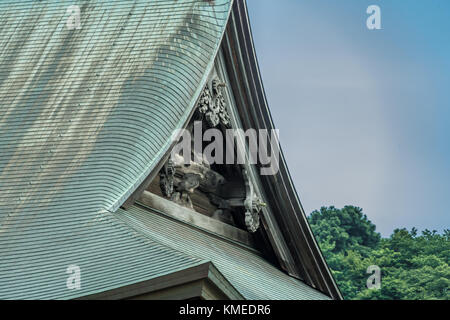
(281, 225)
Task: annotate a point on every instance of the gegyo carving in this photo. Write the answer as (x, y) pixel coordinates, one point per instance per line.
(252, 203)
(212, 105)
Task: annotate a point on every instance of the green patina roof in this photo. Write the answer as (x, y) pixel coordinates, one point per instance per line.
(248, 272)
(84, 117)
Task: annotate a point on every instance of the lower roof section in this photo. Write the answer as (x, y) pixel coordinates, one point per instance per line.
(249, 273)
(109, 255)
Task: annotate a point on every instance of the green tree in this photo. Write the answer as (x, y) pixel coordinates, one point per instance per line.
(412, 266)
(346, 228)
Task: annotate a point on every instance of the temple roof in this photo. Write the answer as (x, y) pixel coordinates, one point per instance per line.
(86, 116)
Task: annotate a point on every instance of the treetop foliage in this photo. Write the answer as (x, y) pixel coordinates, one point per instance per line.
(412, 266)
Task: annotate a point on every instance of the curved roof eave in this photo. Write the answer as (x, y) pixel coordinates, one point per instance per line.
(254, 111)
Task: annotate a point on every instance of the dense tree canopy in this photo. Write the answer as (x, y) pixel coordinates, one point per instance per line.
(412, 266)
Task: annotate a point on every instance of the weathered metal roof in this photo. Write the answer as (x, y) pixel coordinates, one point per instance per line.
(85, 115)
(248, 272)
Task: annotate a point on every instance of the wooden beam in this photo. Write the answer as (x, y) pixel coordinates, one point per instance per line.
(196, 219)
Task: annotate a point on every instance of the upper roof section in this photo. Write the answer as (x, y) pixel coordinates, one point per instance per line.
(93, 108)
(87, 107)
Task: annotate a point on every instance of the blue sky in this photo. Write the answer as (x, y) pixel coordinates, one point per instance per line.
(364, 116)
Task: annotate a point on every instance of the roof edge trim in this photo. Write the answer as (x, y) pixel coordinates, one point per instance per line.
(298, 233)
